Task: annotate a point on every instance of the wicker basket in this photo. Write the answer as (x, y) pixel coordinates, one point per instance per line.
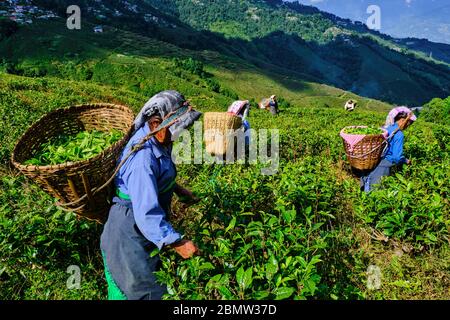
(365, 154)
(71, 181)
(219, 131)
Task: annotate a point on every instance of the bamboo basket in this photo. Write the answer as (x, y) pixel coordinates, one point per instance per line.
(220, 128)
(366, 154)
(76, 182)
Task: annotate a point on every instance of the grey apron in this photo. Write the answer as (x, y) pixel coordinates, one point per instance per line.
(127, 254)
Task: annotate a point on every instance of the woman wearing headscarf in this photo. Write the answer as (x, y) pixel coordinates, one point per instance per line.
(273, 105)
(241, 109)
(138, 221)
(398, 120)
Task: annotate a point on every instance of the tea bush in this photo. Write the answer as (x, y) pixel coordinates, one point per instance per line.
(413, 206)
(39, 242)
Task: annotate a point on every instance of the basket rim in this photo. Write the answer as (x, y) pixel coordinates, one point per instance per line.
(366, 135)
(70, 164)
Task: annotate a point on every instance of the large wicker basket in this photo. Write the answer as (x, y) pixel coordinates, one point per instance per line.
(220, 128)
(74, 184)
(366, 153)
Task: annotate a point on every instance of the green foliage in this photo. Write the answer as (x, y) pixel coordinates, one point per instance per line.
(247, 19)
(213, 85)
(191, 65)
(82, 146)
(247, 254)
(362, 131)
(438, 111)
(37, 245)
(283, 103)
(414, 207)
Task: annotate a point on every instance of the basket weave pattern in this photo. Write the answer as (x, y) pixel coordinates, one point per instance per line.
(366, 154)
(219, 131)
(69, 181)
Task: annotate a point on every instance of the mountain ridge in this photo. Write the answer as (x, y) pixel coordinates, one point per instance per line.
(309, 47)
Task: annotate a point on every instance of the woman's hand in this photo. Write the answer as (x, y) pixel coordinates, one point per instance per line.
(187, 197)
(185, 248)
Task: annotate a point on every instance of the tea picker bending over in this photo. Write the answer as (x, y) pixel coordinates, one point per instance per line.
(397, 121)
(138, 221)
(273, 105)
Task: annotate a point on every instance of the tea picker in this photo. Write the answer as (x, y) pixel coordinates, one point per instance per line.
(273, 105)
(397, 121)
(270, 104)
(138, 221)
(241, 109)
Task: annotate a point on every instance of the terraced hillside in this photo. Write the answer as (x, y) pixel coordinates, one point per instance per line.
(306, 232)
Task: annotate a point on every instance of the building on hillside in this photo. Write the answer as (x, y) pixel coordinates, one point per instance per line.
(47, 16)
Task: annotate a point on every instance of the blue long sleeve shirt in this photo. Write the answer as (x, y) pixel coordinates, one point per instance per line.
(148, 179)
(394, 152)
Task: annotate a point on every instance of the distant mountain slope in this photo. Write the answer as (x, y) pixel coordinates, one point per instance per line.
(438, 51)
(284, 39)
(134, 62)
(332, 50)
(400, 18)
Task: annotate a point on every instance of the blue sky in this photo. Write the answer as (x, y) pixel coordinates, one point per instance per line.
(428, 19)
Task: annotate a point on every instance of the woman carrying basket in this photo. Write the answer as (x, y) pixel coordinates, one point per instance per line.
(138, 220)
(241, 109)
(397, 121)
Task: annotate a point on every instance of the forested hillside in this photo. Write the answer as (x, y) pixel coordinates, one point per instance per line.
(286, 38)
(332, 50)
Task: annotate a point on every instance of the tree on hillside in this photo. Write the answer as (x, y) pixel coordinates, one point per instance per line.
(7, 28)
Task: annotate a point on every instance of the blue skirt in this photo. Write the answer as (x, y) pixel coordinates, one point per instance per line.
(127, 255)
(374, 178)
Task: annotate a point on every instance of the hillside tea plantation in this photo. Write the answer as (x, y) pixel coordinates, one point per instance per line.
(82, 146)
(306, 232)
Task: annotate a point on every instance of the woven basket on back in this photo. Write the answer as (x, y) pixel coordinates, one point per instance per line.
(219, 131)
(71, 181)
(366, 154)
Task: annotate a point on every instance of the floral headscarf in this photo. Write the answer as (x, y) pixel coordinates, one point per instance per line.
(390, 120)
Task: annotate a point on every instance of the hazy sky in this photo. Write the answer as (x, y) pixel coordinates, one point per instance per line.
(401, 18)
